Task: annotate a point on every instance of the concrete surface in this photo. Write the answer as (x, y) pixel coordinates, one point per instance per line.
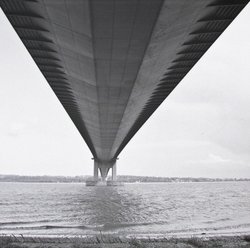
(111, 63)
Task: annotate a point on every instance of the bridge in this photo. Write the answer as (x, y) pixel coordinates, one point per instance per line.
(111, 63)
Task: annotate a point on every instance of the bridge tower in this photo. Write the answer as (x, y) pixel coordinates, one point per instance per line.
(104, 167)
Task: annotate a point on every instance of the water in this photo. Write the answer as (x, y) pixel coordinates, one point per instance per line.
(135, 209)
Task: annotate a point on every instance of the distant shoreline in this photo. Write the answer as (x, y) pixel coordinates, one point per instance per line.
(126, 183)
(122, 178)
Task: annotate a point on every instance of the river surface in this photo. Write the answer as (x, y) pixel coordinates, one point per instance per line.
(134, 209)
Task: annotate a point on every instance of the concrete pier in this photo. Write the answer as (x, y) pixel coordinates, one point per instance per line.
(114, 172)
(104, 168)
(114, 181)
(95, 171)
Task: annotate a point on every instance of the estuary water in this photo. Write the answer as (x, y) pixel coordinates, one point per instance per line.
(134, 209)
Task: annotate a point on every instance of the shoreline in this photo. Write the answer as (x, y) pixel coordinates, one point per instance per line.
(200, 233)
(129, 241)
(211, 234)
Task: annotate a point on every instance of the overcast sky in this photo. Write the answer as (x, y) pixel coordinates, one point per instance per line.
(202, 128)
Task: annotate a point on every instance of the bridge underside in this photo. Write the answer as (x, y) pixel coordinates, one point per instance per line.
(112, 63)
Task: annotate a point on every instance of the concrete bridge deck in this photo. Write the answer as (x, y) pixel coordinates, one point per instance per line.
(111, 63)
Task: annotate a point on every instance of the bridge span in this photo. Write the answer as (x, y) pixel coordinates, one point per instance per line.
(111, 63)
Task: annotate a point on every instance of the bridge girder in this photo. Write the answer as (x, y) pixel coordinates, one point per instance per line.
(112, 63)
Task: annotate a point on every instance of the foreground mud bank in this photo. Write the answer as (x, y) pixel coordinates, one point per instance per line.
(106, 241)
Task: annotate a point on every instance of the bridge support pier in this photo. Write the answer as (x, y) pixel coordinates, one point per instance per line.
(114, 172)
(104, 168)
(114, 181)
(95, 171)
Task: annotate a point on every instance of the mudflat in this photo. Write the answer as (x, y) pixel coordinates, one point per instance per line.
(111, 241)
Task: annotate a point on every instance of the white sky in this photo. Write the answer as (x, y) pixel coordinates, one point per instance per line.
(202, 128)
